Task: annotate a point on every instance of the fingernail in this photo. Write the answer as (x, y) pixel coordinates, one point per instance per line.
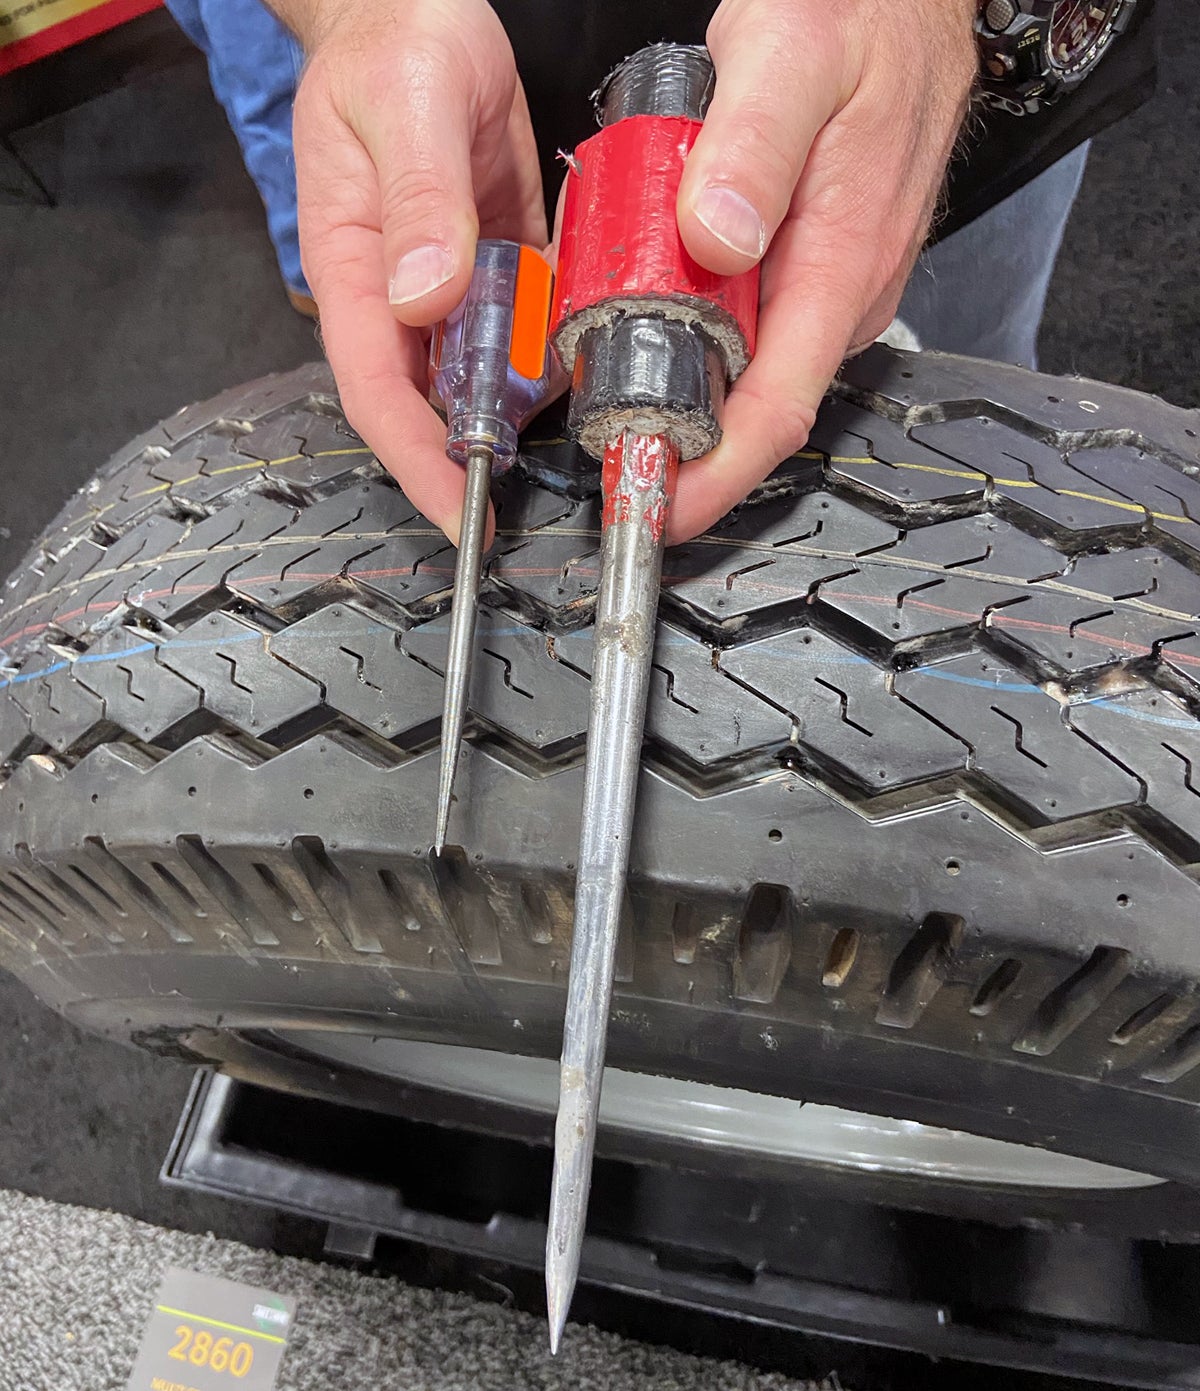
(418, 272)
(733, 220)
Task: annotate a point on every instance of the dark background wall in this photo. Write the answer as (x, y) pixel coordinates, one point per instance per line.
(152, 284)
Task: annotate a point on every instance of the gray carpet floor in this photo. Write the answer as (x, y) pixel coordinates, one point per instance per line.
(76, 1287)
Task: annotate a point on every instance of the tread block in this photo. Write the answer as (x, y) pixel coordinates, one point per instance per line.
(693, 706)
(139, 693)
(23, 629)
(878, 457)
(405, 569)
(276, 437)
(838, 705)
(1105, 609)
(326, 445)
(198, 564)
(1158, 740)
(1033, 476)
(940, 579)
(207, 484)
(81, 606)
(313, 473)
(60, 710)
(231, 662)
(1170, 496)
(195, 474)
(521, 509)
(1019, 735)
(14, 722)
(556, 569)
(72, 563)
(770, 554)
(517, 683)
(281, 576)
(363, 669)
(183, 462)
(324, 428)
(1182, 658)
(156, 535)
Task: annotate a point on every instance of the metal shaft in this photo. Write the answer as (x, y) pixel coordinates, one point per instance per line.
(639, 476)
(464, 607)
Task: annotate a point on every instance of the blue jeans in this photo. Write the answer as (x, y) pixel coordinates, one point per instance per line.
(982, 290)
(254, 64)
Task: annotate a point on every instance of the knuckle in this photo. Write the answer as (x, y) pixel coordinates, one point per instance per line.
(751, 153)
(787, 30)
(796, 421)
(767, 153)
(723, 22)
(412, 79)
(789, 419)
(411, 195)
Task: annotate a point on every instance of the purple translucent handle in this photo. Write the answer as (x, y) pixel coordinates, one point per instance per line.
(486, 400)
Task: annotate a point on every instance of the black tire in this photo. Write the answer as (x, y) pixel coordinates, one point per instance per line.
(918, 831)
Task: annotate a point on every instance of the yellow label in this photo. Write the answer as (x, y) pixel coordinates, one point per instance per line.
(20, 19)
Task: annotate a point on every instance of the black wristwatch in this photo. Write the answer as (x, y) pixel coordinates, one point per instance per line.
(1032, 51)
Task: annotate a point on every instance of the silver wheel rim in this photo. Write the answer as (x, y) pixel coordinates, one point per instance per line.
(725, 1118)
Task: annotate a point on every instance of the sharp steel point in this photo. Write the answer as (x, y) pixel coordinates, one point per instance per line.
(639, 473)
(464, 607)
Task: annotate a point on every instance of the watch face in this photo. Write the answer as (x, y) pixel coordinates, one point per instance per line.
(1080, 31)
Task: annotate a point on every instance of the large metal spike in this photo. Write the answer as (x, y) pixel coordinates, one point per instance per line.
(639, 479)
(464, 607)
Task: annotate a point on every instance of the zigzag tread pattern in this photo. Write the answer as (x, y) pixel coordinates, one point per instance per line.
(938, 599)
(247, 566)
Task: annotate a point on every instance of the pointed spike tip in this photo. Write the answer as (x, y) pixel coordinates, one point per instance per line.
(556, 1310)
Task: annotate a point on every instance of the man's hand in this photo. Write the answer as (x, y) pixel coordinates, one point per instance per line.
(412, 139)
(829, 133)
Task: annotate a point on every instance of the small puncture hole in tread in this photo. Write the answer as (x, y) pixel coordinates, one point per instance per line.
(774, 833)
(953, 867)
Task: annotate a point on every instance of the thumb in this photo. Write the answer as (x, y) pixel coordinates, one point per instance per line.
(773, 95)
(416, 127)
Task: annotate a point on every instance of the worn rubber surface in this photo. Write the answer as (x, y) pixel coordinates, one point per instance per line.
(918, 830)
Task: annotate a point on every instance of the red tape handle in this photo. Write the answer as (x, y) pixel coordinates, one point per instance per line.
(620, 239)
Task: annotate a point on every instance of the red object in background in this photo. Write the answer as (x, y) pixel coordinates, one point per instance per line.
(81, 19)
(620, 240)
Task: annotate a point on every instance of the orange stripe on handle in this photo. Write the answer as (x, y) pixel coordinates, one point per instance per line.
(531, 315)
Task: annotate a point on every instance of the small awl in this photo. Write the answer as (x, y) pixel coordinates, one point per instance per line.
(492, 369)
(651, 339)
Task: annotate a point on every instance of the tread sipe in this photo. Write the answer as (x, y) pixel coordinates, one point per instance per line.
(919, 826)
